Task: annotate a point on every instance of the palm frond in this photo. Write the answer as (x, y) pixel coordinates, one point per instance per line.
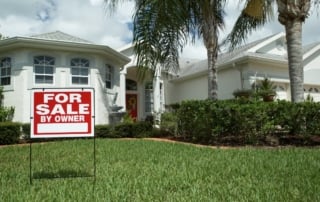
(255, 14)
(159, 33)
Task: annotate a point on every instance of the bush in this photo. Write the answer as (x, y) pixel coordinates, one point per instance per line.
(6, 114)
(142, 129)
(26, 131)
(169, 124)
(246, 121)
(9, 133)
(103, 131)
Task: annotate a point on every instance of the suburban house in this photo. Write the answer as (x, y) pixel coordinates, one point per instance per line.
(59, 60)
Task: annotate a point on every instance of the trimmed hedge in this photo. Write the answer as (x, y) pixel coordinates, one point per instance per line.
(9, 133)
(121, 130)
(248, 121)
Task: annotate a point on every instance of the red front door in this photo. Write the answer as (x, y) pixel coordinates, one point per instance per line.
(132, 105)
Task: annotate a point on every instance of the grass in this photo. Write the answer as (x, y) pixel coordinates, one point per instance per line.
(142, 170)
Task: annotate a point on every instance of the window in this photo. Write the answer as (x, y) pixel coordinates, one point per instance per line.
(161, 96)
(131, 85)
(109, 76)
(43, 69)
(148, 93)
(80, 71)
(5, 74)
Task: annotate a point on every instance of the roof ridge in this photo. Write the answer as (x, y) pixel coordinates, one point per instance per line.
(60, 36)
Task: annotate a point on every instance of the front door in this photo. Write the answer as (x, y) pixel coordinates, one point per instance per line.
(132, 105)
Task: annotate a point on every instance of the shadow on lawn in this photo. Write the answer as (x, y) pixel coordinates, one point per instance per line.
(61, 174)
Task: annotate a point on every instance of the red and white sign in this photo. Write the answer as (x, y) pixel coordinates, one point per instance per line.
(62, 113)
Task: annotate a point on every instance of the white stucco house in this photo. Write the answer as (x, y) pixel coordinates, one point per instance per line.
(245, 65)
(59, 60)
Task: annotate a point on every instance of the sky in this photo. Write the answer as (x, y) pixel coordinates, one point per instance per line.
(89, 19)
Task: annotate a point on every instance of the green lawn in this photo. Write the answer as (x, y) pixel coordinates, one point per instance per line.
(142, 170)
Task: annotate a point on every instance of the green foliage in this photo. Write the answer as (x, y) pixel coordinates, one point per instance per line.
(127, 118)
(246, 121)
(121, 130)
(103, 131)
(243, 93)
(26, 130)
(6, 114)
(9, 133)
(168, 124)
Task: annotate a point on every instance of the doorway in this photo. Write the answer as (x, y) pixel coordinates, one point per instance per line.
(132, 105)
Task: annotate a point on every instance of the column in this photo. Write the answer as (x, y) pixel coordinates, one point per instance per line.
(122, 93)
(156, 94)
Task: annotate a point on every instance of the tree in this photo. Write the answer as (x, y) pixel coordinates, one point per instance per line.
(161, 29)
(291, 14)
(2, 37)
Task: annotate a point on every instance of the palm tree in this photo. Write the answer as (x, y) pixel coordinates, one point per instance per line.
(291, 14)
(161, 29)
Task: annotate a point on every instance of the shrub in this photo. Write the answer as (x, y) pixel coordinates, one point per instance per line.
(103, 131)
(246, 121)
(26, 131)
(123, 130)
(168, 124)
(9, 133)
(142, 129)
(6, 114)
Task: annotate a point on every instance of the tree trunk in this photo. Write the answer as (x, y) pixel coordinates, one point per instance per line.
(294, 48)
(292, 14)
(212, 54)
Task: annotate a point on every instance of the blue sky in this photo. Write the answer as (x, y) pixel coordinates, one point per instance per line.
(89, 20)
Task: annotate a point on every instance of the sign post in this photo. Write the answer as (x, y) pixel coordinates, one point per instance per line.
(62, 113)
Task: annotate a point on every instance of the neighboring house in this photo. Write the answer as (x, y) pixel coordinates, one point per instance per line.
(59, 60)
(243, 67)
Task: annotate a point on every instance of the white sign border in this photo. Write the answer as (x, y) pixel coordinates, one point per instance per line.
(64, 135)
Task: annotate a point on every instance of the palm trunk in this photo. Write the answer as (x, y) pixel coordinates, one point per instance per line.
(212, 54)
(294, 47)
(292, 14)
(210, 39)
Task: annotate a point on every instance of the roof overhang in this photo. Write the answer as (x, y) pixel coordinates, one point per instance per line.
(26, 42)
(233, 63)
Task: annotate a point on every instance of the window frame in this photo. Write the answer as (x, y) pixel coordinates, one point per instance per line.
(44, 63)
(7, 67)
(79, 64)
(148, 101)
(109, 76)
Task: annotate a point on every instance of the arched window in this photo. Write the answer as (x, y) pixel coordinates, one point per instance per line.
(131, 85)
(5, 75)
(80, 71)
(43, 69)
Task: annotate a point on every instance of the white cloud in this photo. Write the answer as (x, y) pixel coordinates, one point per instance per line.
(88, 19)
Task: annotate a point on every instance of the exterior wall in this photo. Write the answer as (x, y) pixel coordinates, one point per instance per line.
(196, 88)
(18, 94)
(229, 80)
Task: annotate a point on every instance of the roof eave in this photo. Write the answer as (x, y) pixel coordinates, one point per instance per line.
(16, 42)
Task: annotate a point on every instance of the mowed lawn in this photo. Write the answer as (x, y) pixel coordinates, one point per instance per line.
(144, 170)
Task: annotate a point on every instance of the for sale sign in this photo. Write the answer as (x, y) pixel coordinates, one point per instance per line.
(62, 113)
